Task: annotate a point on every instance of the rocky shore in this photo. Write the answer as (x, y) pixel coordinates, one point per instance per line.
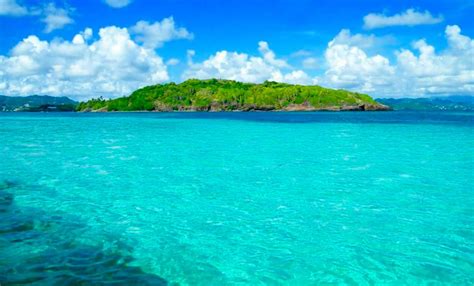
(265, 108)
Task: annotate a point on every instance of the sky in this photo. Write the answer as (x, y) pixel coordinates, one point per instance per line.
(90, 48)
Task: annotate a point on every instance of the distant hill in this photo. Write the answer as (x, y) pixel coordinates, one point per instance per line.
(34, 103)
(449, 103)
(229, 95)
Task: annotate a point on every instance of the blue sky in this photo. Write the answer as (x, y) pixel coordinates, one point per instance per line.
(296, 48)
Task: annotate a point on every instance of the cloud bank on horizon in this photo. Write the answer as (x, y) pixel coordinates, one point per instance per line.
(115, 60)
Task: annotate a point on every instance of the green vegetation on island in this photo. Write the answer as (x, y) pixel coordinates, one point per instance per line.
(229, 95)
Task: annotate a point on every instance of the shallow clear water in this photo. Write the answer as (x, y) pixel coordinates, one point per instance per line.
(237, 198)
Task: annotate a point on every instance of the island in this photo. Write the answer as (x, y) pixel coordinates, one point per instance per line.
(445, 103)
(230, 95)
(36, 103)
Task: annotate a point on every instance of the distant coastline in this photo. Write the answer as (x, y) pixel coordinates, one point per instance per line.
(37, 103)
(447, 103)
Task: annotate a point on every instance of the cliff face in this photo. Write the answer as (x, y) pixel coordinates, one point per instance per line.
(362, 107)
(216, 107)
(226, 95)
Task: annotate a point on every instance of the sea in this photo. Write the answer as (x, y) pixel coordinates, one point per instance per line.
(241, 198)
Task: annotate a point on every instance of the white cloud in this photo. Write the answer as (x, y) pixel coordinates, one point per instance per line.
(243, 67)
(350, 62)
(308, 60)
(189, 55)
(156, 34)
(420, 73)
(118, 3)
(269, 55)
(110, 66)
(301, 53)
(310, 63)
(447, 72)
(172, 62)
(410, 17)
(12, 8)
(55, 18)
(348, 66)
(293, 77)
(367, 42)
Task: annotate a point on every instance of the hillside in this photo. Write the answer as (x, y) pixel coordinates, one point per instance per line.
(229, 95)
(449, 103)
(36, 103)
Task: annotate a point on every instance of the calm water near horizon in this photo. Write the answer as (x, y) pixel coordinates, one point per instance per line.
(352, 198)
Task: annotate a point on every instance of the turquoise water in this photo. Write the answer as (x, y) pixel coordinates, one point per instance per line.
(237, 199)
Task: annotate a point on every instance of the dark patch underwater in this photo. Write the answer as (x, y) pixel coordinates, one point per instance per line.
(40, 249)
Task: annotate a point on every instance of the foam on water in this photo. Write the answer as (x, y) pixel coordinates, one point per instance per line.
(240, 198)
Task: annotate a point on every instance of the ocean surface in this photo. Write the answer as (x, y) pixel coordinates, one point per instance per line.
(352, 198)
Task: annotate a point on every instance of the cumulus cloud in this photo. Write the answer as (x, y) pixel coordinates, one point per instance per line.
(364, 41)
(294, 77)
(447, 72)
(154, 35)
(55, 18)
(410, 17)
(421, 72)
(348, 66)
(118, 3)
(12, 8)
(112, 65)
(243, 67)
(269, 55)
